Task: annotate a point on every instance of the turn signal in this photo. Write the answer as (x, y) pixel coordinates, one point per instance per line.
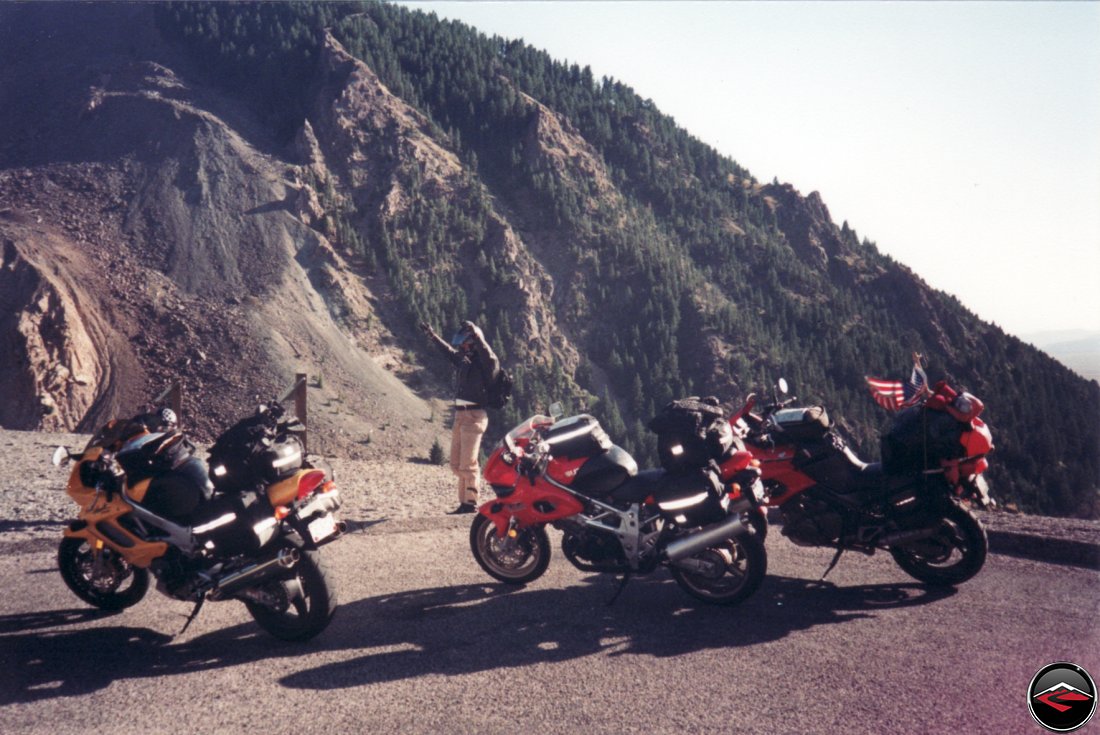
(512, 533)
(281, 512)
(328, 487)
(755, 463)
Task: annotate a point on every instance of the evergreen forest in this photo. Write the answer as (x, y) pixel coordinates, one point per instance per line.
(679, 275)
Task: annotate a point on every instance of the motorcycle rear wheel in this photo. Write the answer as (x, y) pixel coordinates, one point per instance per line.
(954, 554)
(510, 560)
(739, 567)
(109, 583)
(300, 604)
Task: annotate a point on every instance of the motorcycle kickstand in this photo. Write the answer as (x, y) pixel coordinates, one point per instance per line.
(836, 558)
(619, 591)
(190, 618)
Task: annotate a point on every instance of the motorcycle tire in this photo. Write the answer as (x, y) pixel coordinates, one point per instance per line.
(516, 560)
(741, 563)
(759, 523)
(305, 600)
(115, 585)
(953, 555)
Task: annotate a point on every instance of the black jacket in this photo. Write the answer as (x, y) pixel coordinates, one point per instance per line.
(474, 370)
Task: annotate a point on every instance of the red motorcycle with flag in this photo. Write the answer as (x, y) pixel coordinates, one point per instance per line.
(912, 504)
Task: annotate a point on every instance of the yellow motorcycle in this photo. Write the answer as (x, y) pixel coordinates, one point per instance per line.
(250, 528)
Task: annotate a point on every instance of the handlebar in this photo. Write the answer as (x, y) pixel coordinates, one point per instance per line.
(770, 408)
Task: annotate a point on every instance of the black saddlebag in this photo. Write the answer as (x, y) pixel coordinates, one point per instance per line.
(691, 432)
(919, 438)
(691, 497)
(249, 454)
(240, 523)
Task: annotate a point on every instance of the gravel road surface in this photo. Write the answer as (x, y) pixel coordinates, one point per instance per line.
(424, 642)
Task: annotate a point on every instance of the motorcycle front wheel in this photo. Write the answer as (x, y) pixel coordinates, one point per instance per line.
(512, 560)
(724, 574)
(103, 579)
(952, 555)
(298, 605)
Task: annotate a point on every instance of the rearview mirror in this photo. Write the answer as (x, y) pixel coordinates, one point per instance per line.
(782, 386)
(556, 411)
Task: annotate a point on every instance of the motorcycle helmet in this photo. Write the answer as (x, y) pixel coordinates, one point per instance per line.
(462, 338)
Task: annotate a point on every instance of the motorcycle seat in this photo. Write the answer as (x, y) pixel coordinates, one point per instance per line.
(639, 487)
(872, 478)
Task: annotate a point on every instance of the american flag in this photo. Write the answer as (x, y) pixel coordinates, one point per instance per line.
(894, 394)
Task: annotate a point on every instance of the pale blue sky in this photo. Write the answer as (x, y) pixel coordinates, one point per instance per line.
(963, 138)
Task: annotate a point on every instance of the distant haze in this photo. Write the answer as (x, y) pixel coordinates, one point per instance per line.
(1077, 349)
(960, 137)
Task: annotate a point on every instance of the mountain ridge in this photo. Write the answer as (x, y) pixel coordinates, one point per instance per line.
(322, 177)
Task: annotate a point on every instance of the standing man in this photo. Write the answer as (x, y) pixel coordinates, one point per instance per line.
(475, 367)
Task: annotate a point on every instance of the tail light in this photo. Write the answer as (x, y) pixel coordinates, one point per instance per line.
(309, 482)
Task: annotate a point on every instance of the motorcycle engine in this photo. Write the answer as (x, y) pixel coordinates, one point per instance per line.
(175, 575)
(592, 551)
(811, 522)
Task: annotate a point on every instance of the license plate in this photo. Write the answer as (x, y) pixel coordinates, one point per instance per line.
(322, 528)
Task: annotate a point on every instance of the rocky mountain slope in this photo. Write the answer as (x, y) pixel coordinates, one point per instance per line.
(226, 195)
(149, 236)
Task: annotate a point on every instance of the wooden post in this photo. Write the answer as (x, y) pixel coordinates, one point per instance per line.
(300, 387)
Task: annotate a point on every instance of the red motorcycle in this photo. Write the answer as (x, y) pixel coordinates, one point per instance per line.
(909, 504)
(613, 518)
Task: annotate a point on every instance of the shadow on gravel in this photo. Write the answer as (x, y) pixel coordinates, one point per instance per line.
(49, 619)
(23, 525)
(471, 628)
(445, 630)
(46, 664)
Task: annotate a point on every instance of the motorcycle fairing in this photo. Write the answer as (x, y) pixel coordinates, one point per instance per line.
(99, 526)
(529, 505)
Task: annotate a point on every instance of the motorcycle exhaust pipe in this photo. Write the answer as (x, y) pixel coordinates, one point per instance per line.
(254, 574)
(696, 542)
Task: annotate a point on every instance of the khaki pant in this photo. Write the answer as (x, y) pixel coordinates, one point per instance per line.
(469, 426)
